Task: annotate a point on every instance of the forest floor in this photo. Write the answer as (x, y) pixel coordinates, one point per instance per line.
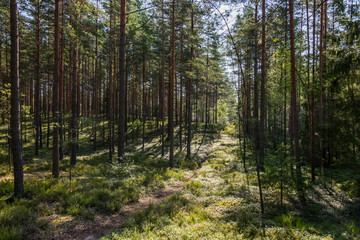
(222, 202)
(208, 197)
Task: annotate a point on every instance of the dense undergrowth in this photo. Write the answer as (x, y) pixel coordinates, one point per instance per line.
(96, 186)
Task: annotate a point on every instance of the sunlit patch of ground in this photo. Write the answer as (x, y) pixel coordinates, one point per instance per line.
(222, 203)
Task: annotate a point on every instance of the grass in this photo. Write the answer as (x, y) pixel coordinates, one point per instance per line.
(96, 186)
(222, 203)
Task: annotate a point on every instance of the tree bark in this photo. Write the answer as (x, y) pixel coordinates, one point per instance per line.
(294, 111)
(311, 139)
(189, 108)
(256, 92)
(37, 82)
(262, 90)
(111, 140)
(181, 95)
(16, 147)
(143, 100)
(122, 82)
(55, 151)
(74, 105)
(171, 87)
(61, 82)
(162, 91)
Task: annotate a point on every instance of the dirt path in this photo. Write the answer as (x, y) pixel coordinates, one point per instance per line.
(103, 224)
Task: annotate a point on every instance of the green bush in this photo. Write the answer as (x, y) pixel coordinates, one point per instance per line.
(14, 215)
(11, 233)
(188, 164)
(98, 199)
(194, 187)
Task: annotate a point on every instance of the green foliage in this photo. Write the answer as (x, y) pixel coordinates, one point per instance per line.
(15, 215)
(231, 129)
(194, 187)
(14, 220)
(11, 233)
(188, 164)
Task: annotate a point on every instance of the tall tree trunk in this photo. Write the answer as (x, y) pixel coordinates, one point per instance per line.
(111, 140)
(322, 44)
(181, 94)
(96, 83)
(61, 82)
(55, 151)
(74, 106)
(262, 90)
(256, 93)
(171, 87)
(48, 102)
(37, 82)
(189, 111)
(143, 100)
(162, 91)
(256, 112)
(122, 82)
(312, 104)
(311, 139)
(16, 147)
(207, 90)
(294, 111)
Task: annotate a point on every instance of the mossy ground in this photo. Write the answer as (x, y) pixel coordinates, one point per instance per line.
(96, 187)
(222, 203)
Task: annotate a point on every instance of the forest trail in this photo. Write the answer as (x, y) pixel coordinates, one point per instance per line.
(103, 224)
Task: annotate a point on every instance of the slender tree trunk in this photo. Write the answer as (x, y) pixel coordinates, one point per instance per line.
(312, 91)
(61, 82)
(171, 87)
(256, 114)
(262, 90)
(111, 140)
(322, 44)
(96, 83)
(37, 82)
(48, 103)
(16, 147)
(256, 93)
(55, 151)
(294, 111)
(189, 111)
(311, 139)
(122, 82)
(162, 91)
(74, 105)
(181, 94)
(144, 100)
(207, 91)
